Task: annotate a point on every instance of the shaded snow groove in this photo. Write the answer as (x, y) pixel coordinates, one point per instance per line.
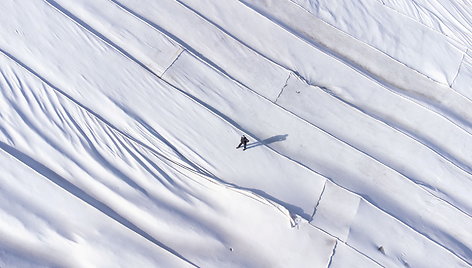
(282, 90)
(458, 69)
(332, 254)
(367, 44)
(112, 45)
(361, 253)
(358, 69)
(318, 202)
(201, 173)
(172, 63)
(346, 244)
(75, 191)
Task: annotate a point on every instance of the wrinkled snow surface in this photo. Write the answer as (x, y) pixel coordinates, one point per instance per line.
(119, 121)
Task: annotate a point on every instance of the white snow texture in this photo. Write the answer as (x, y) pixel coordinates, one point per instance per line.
(119, 121)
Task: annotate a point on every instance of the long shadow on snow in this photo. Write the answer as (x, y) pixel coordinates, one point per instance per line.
(267, 141)
(82, 195)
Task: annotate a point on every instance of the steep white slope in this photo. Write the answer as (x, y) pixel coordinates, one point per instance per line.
(118, 122)
(325, 154)
(127, 92)
(168, 213)
(124, 168)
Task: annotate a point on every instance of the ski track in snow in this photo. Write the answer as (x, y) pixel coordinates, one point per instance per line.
(178, 160)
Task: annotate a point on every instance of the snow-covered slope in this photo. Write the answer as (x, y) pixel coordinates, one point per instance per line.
(119, 121)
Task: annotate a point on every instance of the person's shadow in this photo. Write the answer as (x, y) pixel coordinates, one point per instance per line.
(267, 141)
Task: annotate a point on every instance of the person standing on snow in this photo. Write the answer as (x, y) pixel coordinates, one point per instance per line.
(243, 142)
